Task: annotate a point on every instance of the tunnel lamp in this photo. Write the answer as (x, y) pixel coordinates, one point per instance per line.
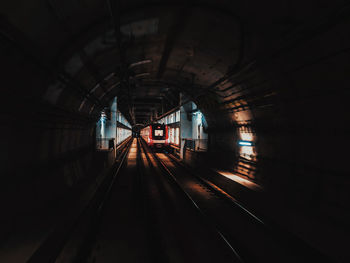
(140, 63)
(142, 75)
(103, 116)
(245, 143)
(199, 115)
(109, 76)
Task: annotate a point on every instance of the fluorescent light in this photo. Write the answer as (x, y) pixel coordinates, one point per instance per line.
(140, 63)
(245, 143)
(142, 75)
(109, 76)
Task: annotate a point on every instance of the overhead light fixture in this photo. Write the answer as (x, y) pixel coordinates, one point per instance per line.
(142, 75)
(142, 62)
(245, 143)
(109, 76)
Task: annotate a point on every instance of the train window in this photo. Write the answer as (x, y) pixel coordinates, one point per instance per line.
(158, 132)
(177, 136)
(172, 135)
(177, 116)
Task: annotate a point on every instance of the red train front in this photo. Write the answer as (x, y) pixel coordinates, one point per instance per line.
(156, 135)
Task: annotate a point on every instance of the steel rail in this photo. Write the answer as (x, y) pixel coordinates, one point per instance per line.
(85, 249)
(196, 206)
(275, 230)
(218, 191)
(50, 250)
(158, 252)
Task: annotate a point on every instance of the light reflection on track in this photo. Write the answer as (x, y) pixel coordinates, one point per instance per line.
(132, 155)
(249, 184)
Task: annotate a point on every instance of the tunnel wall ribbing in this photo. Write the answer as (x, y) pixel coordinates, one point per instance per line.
(301, 121)
(47, 150)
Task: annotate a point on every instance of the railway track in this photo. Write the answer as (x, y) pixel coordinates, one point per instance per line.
(250, 237)
(209, 224)
(168, 228)
(71, 237)
(191, 237)
(153, 209)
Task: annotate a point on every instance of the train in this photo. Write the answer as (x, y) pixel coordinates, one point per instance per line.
(156, 135)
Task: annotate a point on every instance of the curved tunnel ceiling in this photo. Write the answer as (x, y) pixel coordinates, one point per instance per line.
(244, 64)
(176, 58)
(234, 59)
(194, 48)
(278, 69)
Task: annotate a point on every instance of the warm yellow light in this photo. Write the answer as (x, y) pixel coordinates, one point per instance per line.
(249, 184)
(246, 136)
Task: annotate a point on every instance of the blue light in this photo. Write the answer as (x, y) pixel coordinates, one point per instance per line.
(245, 143)
(103, 117)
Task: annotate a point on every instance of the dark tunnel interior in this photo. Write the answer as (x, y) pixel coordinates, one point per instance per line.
(276, 70)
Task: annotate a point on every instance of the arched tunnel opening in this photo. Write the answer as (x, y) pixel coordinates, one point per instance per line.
(254, 99)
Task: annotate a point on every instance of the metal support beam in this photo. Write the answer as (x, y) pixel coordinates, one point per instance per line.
(174, 32)
(114, 8)
(24, 46)
(84, 57)
(114, 12)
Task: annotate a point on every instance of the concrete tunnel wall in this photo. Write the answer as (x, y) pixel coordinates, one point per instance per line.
(297, 100)
(296, 92)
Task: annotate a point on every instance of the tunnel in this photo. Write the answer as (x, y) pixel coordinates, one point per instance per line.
(269, 79)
